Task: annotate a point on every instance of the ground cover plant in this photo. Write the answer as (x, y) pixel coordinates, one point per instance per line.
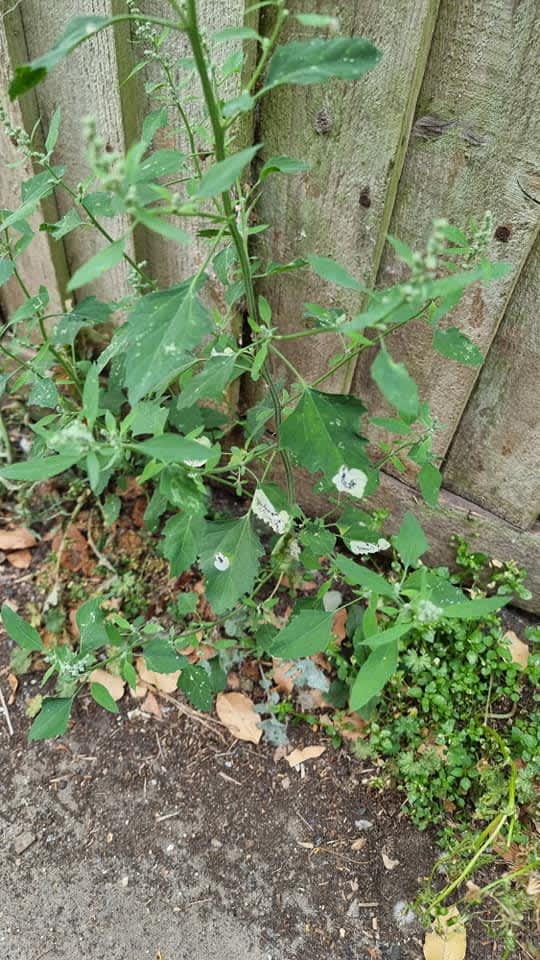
(141, 407)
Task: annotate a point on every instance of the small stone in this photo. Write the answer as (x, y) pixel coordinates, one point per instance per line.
(215, 843)
(403, 914)
(124, 882)
(363, 824)
(354, 910)
(23, 841)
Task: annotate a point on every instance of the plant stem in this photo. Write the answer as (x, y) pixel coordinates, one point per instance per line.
(194, 36)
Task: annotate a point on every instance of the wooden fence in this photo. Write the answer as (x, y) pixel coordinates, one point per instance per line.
(448, 125)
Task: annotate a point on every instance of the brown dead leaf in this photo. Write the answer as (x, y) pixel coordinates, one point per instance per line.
(283, 681)
(389, 864)
(166, 682)
(297, 756)
(533, 886)
(233, 680)
(339, 624)
(17, 539)
(130, 543)
(130, 490)
(358, 844)
(13, 684)
(75, 552)
(237, 713)
(447, 940)
(352, 727)
(474, 892)
(138, 510)
(519, 650)
(21, 559)
(150, 705)
(112, 683)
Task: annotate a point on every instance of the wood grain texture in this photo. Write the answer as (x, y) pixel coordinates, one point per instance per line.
(170, 262)
(342, 206)
(495, 456)
(85, 84)
(455, 515)
(475, 145)
(41, 263)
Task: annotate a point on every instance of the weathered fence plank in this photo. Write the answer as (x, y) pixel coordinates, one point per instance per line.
(474, 146)
(85, 84)
(493, 459)
(354, 137)
(39, 263)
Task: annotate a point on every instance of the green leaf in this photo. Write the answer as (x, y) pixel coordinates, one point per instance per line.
(455, 345)
(333, 272)
(163, 227)
(222, 175)
(147, 417)
(282, 165)
(44, 393)
(430, 482)
(322, 431)
(90, 621)
(211, 382)
(240, 104)
(395, 383)
(103, 260)
(308, 632)
(410, 541)
(235, 33)
(229, 559)
(7, 269)
(38, 468)
(172, 448)
(161, 657)
(315, 19)
(156, 120)
(316, 61)
(196, 683)
(364, 577)
(102, 696)
(182, 537)
(52, 719)
(54, 129)
(19, 630)
(161, 163)
(77, 30)
(159, 335)
(62, 227)
(474, 609)
(374, 674)
(91, 396)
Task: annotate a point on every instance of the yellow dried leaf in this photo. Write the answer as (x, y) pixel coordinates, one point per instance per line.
(237, 713)
(166, 682)
(533, 886)
(519, 651)
(113, 684)
(300, 756)
(447, 940)
(358, 844)
(389, 864)
(33, 706)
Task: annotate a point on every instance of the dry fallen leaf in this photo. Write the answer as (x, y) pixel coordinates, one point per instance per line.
(448, 938)
(113, 684)
(308, 753)
(339, 624)
(13, 684)
(474, 892)
(150, 705)
(389, 864)
(533, 886)
(166, 682)
(358, 844)
(20, 559)
(283, 681)
(18, 539)
(237, 713)
(519, 651)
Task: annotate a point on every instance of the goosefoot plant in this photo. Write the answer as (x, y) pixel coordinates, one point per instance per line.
(147, 405)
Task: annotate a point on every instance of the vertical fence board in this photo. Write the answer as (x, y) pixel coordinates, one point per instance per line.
(475, 146)
(86, 83)
(494, 458)
(354, 137)
(170, 262)
(39, 264)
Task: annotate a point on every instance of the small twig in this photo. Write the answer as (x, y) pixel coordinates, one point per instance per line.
(168, 816)
(190, 712)
(3, 704)
(74, 514)
(101, 558)
(226, 776)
